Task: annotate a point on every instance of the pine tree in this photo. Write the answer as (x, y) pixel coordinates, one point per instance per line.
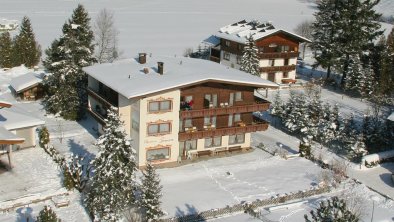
(387, 71)
(277, 106)
(334, 210)
(359, 26)
(66, 57)
(43, 136)
(151, 193)
(47, 215)
(26, 50)
(250, 59)
(348, 133)
(325, 33)
(113, 182)
(6, 50)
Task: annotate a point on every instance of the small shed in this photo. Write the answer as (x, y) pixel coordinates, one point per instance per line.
(28, 86)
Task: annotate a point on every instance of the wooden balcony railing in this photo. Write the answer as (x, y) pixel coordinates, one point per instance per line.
(214, 59)
(275, 55)
(258, 105)
(99, 97)
(256, 125)
(278, 68)
(97, 116)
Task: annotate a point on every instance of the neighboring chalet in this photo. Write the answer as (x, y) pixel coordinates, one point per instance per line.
(28, 86)
(17, 129)
(8, 25)
(278, 49)
(177, 108)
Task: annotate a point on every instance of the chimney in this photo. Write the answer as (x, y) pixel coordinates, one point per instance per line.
(146, 70)
(160, 67)
(142, 58)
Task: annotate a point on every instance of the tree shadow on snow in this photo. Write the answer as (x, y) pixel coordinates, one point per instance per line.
(25, 214)
(287, 148)
(191, 213)
(79, 149)
(386, 178)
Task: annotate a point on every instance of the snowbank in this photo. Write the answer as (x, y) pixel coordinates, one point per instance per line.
(372, 160)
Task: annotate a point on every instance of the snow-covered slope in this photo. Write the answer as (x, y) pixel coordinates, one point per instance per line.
(386, 7)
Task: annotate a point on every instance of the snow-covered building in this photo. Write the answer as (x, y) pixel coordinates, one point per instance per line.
(277, 48)
(28, 86)
(8, 25)
(175, 107)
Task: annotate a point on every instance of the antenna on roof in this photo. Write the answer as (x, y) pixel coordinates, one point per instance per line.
(129, 76)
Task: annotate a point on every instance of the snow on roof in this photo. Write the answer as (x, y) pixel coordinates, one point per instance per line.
(127, 77)
(26, 81)
(13, 118)
(6, 135)
(391, 117)
(239, 31)
(211, 41)
(5, 104)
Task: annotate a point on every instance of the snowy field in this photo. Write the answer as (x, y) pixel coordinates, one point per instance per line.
(164, 27)
(230, 180)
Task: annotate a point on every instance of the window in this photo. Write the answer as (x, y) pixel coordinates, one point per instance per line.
(160, 128)
(285, 75)
(209, 120)
(213, 142)
(227, 43)
(158, 154)
(226, 56)
(261, 49)
(237, 117)
(236, 139)
(230, 120)
(271, 62)
(188, 145)
(238, 96)
(239, 60)
(240, 47)
(188, 122)
(286, 63)
(210, 100)
(160, 106)
(284, 48)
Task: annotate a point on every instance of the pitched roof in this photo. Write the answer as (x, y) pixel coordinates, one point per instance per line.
(14, 118)
(239, 31)
(6, 137)
(127, 77)
(26, 81)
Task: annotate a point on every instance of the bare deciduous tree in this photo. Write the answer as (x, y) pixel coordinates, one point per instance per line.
(304, 29)
(106, 37)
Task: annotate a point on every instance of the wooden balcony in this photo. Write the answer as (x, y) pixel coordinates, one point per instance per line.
(97, 116)
(214, 59)
(258, 105)
(256, 125)
(101, 98)
(278, 68)
(276, 55)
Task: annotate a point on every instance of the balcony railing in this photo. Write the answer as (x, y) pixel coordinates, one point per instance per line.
(100, 97)
(258, 105)
(275, 55)
(256, 125)
(98, 116)
(278, 68)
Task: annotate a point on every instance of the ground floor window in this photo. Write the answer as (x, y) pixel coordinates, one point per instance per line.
(236, 139)
(187, 145)
(158, 154)
(213, 142)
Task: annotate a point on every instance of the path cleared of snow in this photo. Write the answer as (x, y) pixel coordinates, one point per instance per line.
(225, 181)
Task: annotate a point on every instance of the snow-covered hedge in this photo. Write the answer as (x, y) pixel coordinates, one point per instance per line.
(372, 160)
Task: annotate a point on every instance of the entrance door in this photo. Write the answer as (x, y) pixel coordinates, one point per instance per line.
(271, 77)
(231, 102)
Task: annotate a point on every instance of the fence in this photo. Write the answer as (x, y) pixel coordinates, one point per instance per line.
(213, 213)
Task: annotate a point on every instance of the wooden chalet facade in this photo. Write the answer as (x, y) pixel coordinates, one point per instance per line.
(277, 49)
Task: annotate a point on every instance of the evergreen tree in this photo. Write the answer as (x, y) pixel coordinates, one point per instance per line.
(387, 72)
(47, 215)
(325, 33)
(277, 106)
(359, 28)
(43, 136)
(151, 193)
(113, 182)
(334, 210)
(6, 50)
(348, 133)
(250, 59)
(67, 56)
(26, 50)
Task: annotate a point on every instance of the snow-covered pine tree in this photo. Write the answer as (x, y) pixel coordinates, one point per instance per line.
(74, 48)
(250, 59)
(325, 34)
(113, 183)
(43, 136)
(47, 215)
(26, 50)
(151, 193)
(332, 210)
(277, 106)
(348, 133)
(6, 50)
(358, 150)
(367, 85)
(298, 116)
(387, 73)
